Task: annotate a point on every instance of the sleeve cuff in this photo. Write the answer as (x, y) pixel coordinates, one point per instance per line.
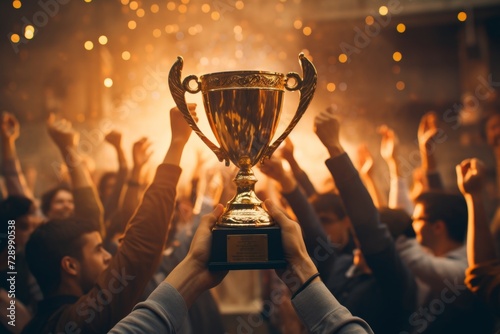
(166, 302)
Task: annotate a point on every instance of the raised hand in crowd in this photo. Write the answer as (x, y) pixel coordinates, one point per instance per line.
(470, 180)
(84, 193)
(428, 136)
(111, 184)
(483, 274)
(300, 175)
(365, 166)
(399, 194)
(15, 180)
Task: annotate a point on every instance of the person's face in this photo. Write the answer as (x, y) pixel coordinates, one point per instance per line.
(62, 205)
(108, 188)
(423, 228)
(337, 229)
(493, 131)
(95, 259)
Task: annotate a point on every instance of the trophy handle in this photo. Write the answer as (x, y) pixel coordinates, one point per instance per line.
(178, 90)
(306, 86)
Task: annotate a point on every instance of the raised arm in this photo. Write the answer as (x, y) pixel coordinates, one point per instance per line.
(87, 203)
(470, 179)
(317, 243)
(298, 172)
(134, 188)
(399, 194)
(365, 166)
(375, 240)
(139, 254)
(427, 136)
(15, 181)
(111, 203)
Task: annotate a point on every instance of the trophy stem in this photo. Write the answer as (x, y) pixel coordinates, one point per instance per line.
(245, 208)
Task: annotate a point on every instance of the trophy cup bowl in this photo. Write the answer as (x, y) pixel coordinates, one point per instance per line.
(243, 109)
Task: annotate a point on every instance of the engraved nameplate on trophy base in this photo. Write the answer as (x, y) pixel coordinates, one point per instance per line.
(246, 248)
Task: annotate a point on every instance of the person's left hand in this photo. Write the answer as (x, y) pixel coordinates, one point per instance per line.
(470, 176)
(191, 277)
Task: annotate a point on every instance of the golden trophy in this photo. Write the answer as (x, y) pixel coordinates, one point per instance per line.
(243, 109)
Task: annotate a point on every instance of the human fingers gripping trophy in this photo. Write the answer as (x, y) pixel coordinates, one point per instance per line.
(243, 109)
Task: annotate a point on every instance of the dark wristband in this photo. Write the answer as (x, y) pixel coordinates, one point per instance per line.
(305, 285)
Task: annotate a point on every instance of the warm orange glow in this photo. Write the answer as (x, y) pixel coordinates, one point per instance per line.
(342, 57)
(133, 5)
(383, 10)
(157, 33)
(16, 4)
(400, 85)
(239, 5)
(125, 55)
(307, 31)
(297, 24)
(171, 5)
(397, 56)
(369, 20)
(215, 16)
(401, 28)
(155, 8)
(103, 40)
(108, 82)
(140, 12)
(330, 87)
(132, 25)
(182, 9)
(88, 45)
(29, 31)
(205, 8)
(15, 38)
(462, 16)
(125, 2)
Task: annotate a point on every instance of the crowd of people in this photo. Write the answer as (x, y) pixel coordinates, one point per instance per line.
(125, 257)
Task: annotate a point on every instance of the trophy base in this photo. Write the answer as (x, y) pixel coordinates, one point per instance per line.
(246, 248)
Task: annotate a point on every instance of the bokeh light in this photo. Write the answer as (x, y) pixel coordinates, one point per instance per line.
(397, 56)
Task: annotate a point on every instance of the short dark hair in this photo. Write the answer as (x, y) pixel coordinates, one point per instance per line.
(103, 181)
(329, 202)
(12, 208)
(49, 243)
(49, 195)
(450, 208)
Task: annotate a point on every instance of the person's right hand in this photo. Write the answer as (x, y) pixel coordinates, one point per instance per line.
(9, 128)
(327, 128)
(114, 138)
(365, 160)
(141, 152)
(287, 150)
(427, 129)
(470, 176)
(300, 266)
(388, 143)
(273, 168)
(180, 128)
(62, 133)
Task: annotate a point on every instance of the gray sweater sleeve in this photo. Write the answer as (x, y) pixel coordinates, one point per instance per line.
(163, 312)
(320, 312)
